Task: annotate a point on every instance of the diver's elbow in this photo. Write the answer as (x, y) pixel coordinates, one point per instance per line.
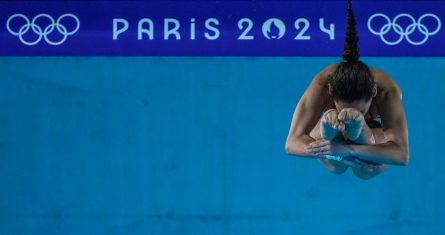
(404, 158)
(287, 148)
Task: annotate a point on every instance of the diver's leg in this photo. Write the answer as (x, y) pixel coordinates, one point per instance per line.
(333, 166)
(365, 173)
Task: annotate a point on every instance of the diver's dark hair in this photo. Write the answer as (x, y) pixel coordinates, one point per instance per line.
(350, 51)
(352, 79)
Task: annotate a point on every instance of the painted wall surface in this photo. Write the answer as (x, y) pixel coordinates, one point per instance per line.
(177, 145)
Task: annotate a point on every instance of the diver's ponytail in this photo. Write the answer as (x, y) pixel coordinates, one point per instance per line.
(350, 51)
(352, 80)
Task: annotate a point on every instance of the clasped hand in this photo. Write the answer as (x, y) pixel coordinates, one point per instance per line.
(349, 122)
(341, 149)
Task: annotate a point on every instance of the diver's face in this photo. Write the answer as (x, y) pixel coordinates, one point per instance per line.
(361, 105)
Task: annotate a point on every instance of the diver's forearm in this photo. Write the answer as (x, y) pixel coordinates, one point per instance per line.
(385, 153)
(297, 146)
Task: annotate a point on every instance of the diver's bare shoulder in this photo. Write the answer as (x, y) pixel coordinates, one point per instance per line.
(385, 84)
(322, 77)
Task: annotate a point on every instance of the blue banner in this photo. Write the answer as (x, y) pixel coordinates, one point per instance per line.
(218, 28)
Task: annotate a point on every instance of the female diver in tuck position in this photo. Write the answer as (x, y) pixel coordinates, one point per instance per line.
(363, 123)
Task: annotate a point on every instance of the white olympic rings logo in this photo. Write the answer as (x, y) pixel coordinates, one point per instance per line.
(43, 33)
(404, 33)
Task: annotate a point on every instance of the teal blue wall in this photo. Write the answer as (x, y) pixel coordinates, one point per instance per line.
(196, 146)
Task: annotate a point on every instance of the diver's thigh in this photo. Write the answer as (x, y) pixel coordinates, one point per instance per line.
(333, 166)
(378, 135)
(315, 132)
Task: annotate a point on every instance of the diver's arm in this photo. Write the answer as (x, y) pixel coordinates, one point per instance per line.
(303, 121)
(307, 114)
(385, 153)
(395, 150)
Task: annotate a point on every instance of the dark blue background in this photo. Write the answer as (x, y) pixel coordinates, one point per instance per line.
(95, 34)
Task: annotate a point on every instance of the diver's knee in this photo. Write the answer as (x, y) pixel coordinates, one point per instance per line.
(339, 171)
(364, 174)
(334, 167)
